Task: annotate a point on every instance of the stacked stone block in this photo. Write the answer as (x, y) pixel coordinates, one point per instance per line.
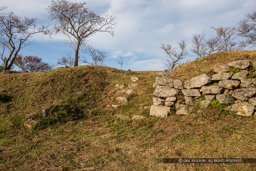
(230, 88)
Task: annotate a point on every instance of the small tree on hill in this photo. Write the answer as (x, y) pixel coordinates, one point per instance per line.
(199, 46)
(247, 29)
(78, 23)
(14, 33)
(120, 62)
(174, 56)
(31, 64)
(98, 57)
(225, 38)
(66, 61)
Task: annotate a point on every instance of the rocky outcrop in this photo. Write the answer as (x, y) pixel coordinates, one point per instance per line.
(229, 85)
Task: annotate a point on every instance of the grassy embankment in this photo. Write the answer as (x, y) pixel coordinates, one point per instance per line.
(83, 133)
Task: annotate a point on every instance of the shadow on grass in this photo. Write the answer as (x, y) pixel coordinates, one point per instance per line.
(5, 98)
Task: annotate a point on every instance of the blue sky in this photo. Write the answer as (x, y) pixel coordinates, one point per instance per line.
(142, 26)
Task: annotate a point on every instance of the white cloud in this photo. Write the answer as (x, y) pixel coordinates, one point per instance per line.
(142, 25)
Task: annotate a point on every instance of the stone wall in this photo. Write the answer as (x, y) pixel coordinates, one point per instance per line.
(232, 84)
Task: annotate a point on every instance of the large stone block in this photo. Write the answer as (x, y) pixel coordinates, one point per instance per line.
(165, 91)
(240, 64)
(178, 84)
(219, 68)
(243, 108)
(229, 84)
(240, 75)
(248, 82)
(191, 92)
(211, 89)
(221, 76)
(163, 81)
(197, 82)
(160, 111)
(244, 93)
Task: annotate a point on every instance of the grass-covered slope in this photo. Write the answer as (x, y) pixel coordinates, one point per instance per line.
(82, 132)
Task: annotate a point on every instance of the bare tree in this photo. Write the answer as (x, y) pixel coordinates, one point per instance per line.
(212, 45)
(78, 23)
(66, 61)
(247, 29)
(199, 46)
(225, 38)
(15, 33)
(174, 56)
(120, 62)
(31, 64)
(98, 57)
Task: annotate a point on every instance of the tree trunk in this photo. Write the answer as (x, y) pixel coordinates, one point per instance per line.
(77, 53)
(5, 65)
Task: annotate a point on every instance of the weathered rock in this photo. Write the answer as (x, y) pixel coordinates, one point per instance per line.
(171, 99)
(169, 104)
(190, 100)
(165, 91)
(191, 92)
(133, 85)
(182, 109)
(197, 82)
(253, 101)
(244, 93)
(115, 106)
(159, 111)
(129, 92)
(163, 81)
(248, 82)
(240, 64)
(138, 117)
(30, 124)
(219, 68)
(229, 84)
(225, 99)
(211, 89)
(158, 101)
(240, 75)
(208, 99)
(221, 76)
(119, 86)
(122, 99)
(243, 108)
(177, 84)
(134, 79)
